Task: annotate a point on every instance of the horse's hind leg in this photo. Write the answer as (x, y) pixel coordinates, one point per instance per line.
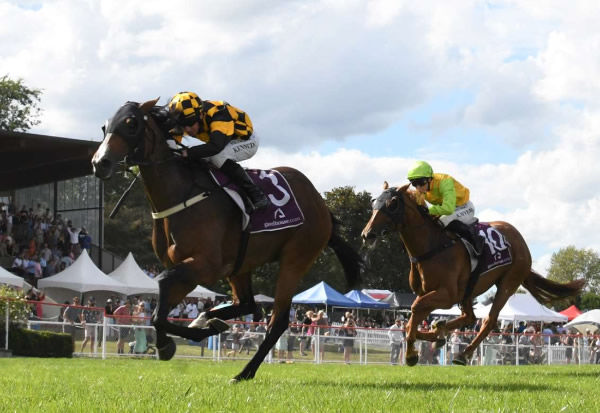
(505, 290)
(290, 273)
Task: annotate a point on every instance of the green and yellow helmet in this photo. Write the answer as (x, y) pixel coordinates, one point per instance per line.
(185, 108)
(420, 169)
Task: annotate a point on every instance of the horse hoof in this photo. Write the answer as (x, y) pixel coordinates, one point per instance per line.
(218, 325)
(234, 381)
(199, 322)
(439, 343)
(460, 361)
(411, 360)
(167, 351)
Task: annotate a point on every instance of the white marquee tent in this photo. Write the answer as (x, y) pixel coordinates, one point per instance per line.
(134, 278)
(588, 320)
(519, 307)
(201, 292)
(9, 278)
(82, 277)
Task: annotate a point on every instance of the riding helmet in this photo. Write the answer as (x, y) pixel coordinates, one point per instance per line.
(420, 169)
(185, 108)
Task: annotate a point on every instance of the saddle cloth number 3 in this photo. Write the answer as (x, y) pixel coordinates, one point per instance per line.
(275, 183)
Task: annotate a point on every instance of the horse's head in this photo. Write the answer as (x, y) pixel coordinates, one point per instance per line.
(392, 210)
(131, 134)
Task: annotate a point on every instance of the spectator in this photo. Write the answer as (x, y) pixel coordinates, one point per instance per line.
(89, 317)
(348, 330)
(396, 335)
(141, 343)
(122, 315)
(85, 241)
(19, 265)
(191, 309)
(306, 329)
(71, 317)
(74, 239)
(320, 324)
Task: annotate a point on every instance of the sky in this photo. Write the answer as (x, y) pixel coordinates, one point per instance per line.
(502, 95)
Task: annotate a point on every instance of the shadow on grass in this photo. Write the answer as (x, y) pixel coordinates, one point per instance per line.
(403, 385)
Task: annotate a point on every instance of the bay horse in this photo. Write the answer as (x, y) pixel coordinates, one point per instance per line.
(440, 270)
(199, 244)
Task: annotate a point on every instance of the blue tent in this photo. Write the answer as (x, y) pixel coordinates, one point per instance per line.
(364, 301)
(322, 293)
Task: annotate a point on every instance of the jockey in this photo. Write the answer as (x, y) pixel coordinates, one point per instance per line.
(227, 134)
(449, 200)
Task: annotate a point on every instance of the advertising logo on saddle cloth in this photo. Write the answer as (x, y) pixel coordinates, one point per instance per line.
(283, 211)
(496, 251)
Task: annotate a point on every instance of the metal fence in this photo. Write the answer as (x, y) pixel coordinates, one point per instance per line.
(135, 337)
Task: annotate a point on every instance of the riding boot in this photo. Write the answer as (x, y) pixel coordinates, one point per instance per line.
(468, 232)
(241, 178)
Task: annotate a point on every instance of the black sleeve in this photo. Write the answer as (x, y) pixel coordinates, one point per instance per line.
(217, 144)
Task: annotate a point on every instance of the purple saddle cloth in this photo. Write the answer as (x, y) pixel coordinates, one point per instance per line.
(496, 250)
(283, 210)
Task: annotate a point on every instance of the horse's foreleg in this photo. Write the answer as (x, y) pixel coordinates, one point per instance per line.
(421, 308)
(243, 302)
(174, 284)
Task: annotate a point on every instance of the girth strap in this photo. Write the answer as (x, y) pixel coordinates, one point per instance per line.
(181, 206)
(433, 252)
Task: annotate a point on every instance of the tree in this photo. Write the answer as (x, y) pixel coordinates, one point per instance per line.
(570, 264)
(18, 105)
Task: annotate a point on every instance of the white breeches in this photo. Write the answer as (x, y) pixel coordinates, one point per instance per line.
(464, 213)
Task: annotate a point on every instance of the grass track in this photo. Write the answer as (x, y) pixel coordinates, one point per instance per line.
(133, 385)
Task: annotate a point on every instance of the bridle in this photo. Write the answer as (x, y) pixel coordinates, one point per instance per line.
(131, 124)
(391, 204)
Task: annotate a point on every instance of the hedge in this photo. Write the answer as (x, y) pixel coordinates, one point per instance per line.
(34, 343)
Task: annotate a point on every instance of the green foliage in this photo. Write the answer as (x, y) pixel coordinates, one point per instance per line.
(18, 105)
(589, 301)
(18, 307)
(131, 229)
(570, 264)
(32, 343)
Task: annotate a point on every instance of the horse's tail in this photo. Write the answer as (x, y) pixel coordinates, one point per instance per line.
(546, 291)
(349, 258)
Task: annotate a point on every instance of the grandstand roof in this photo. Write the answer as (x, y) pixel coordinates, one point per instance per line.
(28, 159)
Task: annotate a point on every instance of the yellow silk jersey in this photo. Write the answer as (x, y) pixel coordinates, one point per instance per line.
(445, 194)
(220, 117)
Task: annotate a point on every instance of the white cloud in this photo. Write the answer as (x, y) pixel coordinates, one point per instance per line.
(310, 71)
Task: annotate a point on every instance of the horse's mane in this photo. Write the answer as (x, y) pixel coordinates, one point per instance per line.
(413, 196)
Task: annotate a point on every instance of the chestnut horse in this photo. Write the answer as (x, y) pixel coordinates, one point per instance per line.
(200, 243)
(440, 270)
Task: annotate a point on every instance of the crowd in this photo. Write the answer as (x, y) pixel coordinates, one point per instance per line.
(41, 243)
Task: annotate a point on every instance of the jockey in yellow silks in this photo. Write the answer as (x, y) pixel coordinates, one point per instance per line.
(228, 137)
(448, 199)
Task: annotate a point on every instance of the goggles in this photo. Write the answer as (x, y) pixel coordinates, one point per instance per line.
(419, 181)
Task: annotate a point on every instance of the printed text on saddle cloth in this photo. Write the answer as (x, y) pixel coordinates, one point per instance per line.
(283, 211)
(496, 251)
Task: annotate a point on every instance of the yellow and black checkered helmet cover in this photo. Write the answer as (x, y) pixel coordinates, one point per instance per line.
(185, 107)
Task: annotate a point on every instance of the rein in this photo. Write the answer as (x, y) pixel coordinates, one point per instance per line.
(433, 252)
